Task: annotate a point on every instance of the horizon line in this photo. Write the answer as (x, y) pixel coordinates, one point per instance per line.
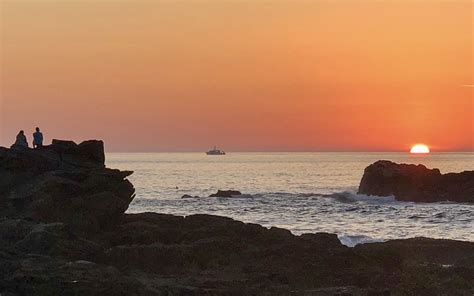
(295, 151)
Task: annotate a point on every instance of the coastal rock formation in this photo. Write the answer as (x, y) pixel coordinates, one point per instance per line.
(417, 183)
(63, 182)
(63, 231)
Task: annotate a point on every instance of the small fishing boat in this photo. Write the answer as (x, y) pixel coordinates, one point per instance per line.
(215, 151)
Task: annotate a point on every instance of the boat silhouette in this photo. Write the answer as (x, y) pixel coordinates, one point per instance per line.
(215, 151)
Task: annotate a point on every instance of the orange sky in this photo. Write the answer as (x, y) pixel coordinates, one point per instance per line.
(244, 75)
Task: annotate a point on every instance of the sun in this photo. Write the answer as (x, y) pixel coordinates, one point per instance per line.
(420, 149)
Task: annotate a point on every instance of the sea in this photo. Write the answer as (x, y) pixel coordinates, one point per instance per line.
(302, 192)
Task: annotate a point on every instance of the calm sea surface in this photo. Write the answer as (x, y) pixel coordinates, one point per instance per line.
(290, 190)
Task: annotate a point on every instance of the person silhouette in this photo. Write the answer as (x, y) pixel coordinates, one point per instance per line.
(37, 139)
(21, 140)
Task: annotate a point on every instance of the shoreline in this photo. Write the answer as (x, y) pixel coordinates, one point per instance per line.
(344, 238)
(433, 215)
(64, 231)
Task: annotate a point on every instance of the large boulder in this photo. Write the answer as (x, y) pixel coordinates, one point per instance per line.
(63, 182)
(86, 154)
(417, 183)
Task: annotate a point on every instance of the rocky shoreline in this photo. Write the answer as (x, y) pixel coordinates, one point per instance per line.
(64, 231)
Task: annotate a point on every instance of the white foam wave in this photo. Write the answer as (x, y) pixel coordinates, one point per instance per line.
(354, 240)
(344, 196)
(348, 196)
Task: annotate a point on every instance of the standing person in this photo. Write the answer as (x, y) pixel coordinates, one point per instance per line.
(37, 139)
(21, 140)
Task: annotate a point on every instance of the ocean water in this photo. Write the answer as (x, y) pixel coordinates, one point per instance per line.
(302, 192)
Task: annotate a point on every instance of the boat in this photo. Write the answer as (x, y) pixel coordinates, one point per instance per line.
(215, 151)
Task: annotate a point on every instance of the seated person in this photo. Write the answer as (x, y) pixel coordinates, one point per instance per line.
(21, 141)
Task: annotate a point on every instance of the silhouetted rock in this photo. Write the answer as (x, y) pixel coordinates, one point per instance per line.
(226, 193)
(63, 182)
(189, 196)
(63, 231)
(89, 154)
(410, 182)
(221, 255)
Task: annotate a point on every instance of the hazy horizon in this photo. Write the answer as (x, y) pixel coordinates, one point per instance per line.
(246, 76)
(290, 151)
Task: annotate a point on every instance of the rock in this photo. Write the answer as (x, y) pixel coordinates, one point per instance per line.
(63, 182)
(63, 146)
(56, 239)
(329, 240)
(437, 251)
(93, 150)
(226, 193)
(189, 196)
(43, 275)
(59, 155)
(417, 183)
(12, 231)
(260, 259)
(88, 154)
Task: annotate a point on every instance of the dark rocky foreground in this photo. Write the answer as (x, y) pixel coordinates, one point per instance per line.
(408, 182)
(63, 232)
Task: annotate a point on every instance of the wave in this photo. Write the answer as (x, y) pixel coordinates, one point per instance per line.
(354, 240)
(350, 197)
(343, 196)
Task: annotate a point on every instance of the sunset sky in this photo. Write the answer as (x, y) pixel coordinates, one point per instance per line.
(256, 75)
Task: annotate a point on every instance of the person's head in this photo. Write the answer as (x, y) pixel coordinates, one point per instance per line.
(37, 129)
(22, 132)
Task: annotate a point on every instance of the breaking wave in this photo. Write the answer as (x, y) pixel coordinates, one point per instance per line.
(354, 240)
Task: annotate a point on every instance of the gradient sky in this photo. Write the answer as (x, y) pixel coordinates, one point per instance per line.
(244, 75)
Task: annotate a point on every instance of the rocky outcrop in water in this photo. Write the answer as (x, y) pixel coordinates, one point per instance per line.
(226, 193)
(63, 231)
(220, 193)
(417, 183)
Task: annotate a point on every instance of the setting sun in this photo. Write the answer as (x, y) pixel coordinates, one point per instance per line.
(420, 148)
